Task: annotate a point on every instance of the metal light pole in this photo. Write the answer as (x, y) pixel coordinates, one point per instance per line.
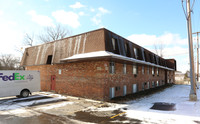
(193, 95)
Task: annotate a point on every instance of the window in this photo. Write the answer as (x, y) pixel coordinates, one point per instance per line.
(153, 84)
(117, 88)
(152, 70)
(157, 72)
(126, 48)
(135, 52)
(142, 69)
(157, 83)
(143, 86)
(114, 43)
(49, 59)
(124, 68)
(147, 69)
(156, 59)
(112, 92)
(150, 59)
(135, 69)
(124, 90)
(143, 57)
(112, 67)
(147, 85)
(134, 88)
(153, 60)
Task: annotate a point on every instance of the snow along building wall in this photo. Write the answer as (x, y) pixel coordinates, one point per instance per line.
(99, 65)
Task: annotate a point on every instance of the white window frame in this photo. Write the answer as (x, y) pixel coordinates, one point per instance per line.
(157, 83)
(124, 69)
(113, 44)
(135, 52)
(142, 69)
(153, 71)
(143, 56)
(112, 67)
(148, 85)
(153, 84)
(147, 69)
(134, 88)
(135, 69)
(157, 71)
(143, 86)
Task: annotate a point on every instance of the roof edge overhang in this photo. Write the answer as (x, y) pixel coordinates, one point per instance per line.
(106, 54)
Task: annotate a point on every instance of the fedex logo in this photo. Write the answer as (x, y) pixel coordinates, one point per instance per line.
(14, 76)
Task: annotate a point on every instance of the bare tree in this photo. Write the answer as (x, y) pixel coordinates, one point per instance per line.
(159, 47)
(28, 39)
(9, 62)
(54, 33)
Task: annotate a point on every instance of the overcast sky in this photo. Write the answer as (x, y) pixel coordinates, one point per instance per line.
(145, 22)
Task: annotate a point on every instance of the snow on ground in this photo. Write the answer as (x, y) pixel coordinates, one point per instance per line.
(56, 105)
(11, 105)
(186, 112)
(178, 94)
(17, 106)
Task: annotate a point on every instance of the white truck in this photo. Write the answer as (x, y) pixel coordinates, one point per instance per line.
(19, 82)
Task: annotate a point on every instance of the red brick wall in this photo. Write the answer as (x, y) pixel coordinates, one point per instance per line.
(128, 79)
(93, 80)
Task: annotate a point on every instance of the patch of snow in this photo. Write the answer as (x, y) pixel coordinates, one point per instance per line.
(186, 111)
(56, 105)
(117, 121)
(11, 105)
(112, 107)
(22, 112)
(91, 100)
(178, 94)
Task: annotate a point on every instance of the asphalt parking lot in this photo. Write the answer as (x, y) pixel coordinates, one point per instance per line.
(138, 108)
(46, 107)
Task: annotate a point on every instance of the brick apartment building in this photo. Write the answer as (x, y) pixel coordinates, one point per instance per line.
(98, 64)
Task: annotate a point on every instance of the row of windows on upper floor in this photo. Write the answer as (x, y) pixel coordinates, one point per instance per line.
(135, 69)
(139, 53)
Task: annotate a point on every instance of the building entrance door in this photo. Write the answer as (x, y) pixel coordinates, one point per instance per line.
(53, 82)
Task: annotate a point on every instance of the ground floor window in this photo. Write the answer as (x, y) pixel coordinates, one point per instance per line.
(147, 85)
(143, 86)
(124, 90)
(112, 92)
(157, 83)
(153, 84)
(134, 88)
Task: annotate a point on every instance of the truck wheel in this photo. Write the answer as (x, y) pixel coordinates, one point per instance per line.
(24, 93)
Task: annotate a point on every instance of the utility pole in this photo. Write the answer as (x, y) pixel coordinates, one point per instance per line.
(197, 54)
(193, 95)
